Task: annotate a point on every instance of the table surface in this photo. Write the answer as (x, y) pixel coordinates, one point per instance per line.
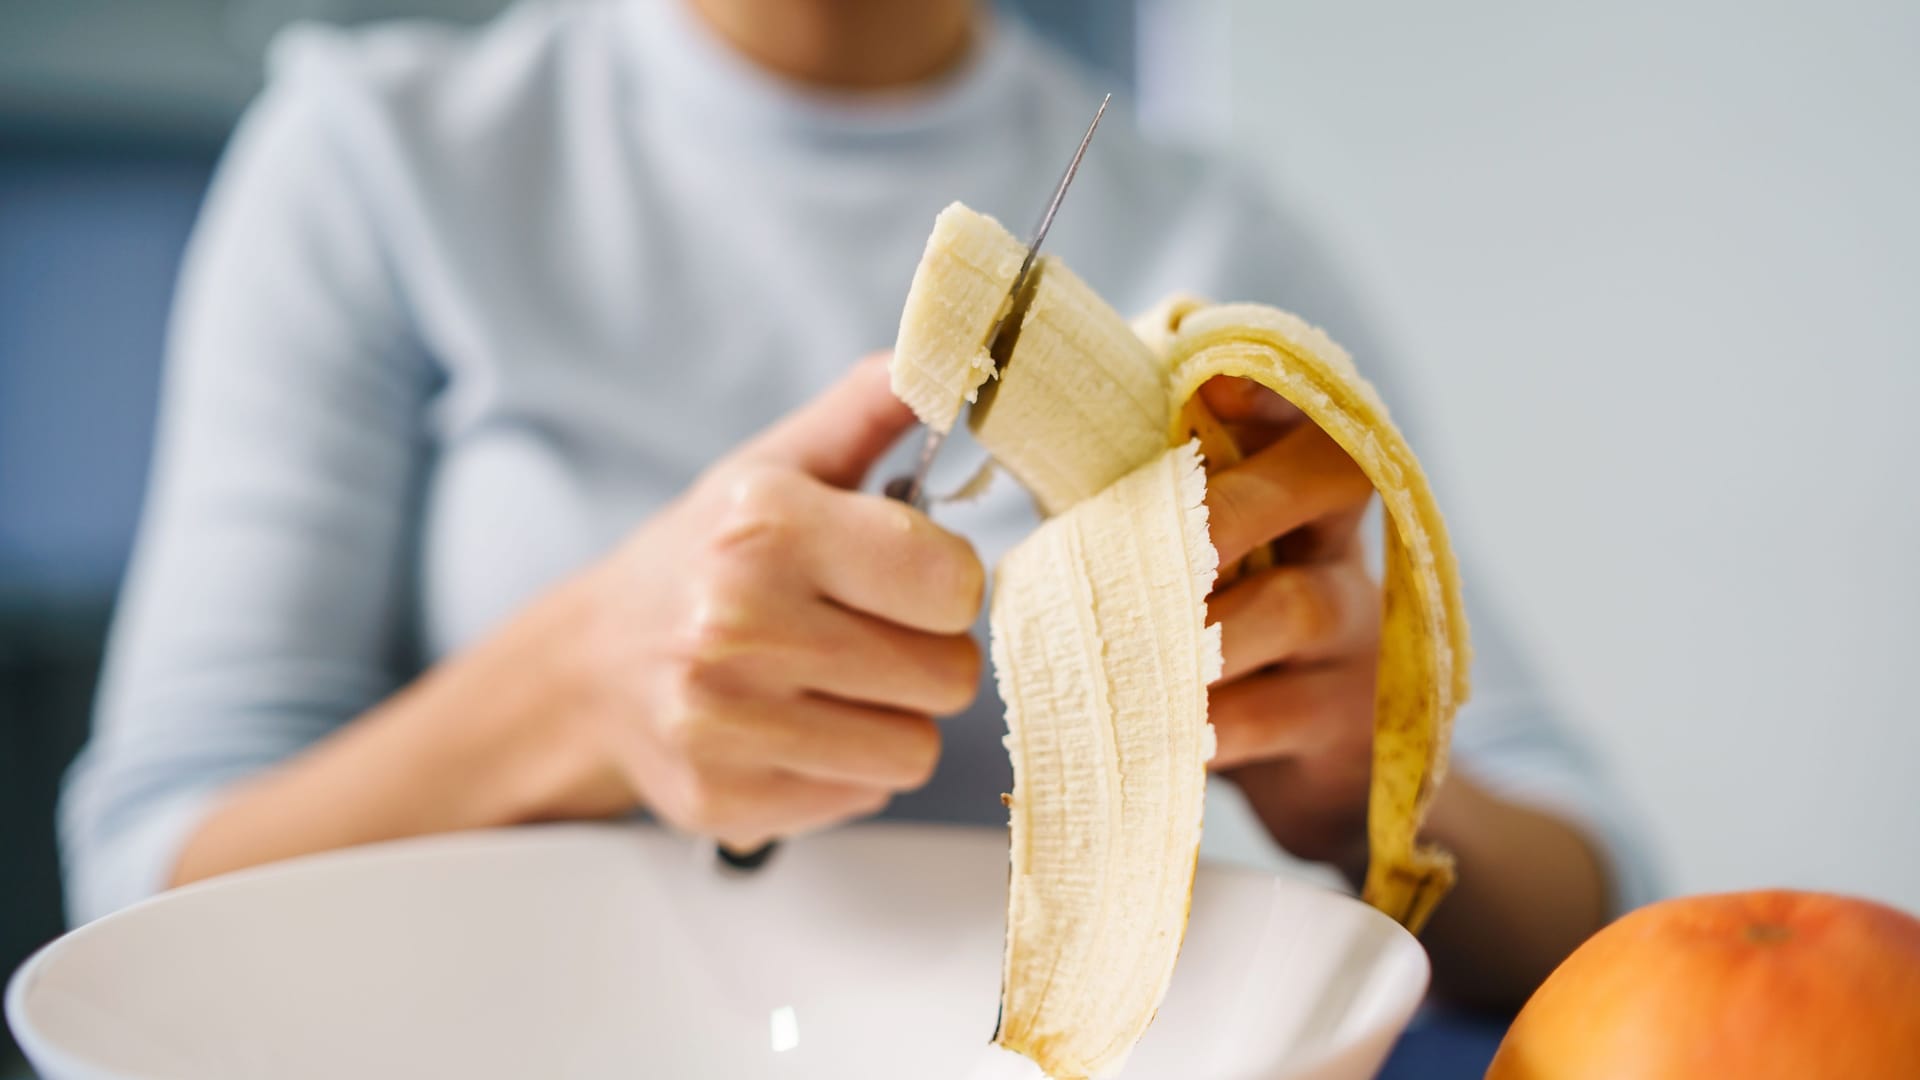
(1445, 1045)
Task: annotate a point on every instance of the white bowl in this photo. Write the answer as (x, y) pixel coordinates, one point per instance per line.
(622, 951)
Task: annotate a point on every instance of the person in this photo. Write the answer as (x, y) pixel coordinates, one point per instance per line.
(511, 455)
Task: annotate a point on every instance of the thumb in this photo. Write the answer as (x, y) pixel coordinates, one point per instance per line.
(838, 435)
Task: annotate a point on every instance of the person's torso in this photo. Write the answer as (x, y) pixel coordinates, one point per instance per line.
(627, 253)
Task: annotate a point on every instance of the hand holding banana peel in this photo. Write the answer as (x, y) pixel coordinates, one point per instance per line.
(1293, 711)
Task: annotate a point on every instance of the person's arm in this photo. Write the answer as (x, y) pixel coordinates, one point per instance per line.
(273, 579)
(1531, 888)
(762, 657)
(481, 740)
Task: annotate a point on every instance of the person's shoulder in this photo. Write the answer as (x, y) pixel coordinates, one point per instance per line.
(432, 80)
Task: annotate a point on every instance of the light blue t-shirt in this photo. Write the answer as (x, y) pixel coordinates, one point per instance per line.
(464, 307)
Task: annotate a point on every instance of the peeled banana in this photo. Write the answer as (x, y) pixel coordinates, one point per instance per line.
(1103, 657)
(1100, 643)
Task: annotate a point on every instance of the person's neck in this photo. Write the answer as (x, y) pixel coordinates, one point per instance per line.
(846, 44)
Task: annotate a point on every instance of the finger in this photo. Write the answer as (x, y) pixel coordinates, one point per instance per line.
(1254, 416)
(1303, 477)
(1253, 438)
(1296, 613)
(826, 740)
(1330, 539)
(814, 644)
(891, 561)
(840, 433)
(745, 810)
(1243, 401)
(856, 657)
(1289, 712)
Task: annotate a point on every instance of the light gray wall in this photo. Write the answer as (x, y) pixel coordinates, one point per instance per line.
(1658, 265)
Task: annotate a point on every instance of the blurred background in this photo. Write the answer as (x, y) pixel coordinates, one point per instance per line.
(1654, 267)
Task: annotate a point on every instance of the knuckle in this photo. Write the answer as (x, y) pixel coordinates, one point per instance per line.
(690, 722)
(869, 801)
(1317, 611)
(960, 579)
(704, 806)
(972, 584)
(1227, 516)
(687, 732)
(1223, 712)
(925, 757)
(690, 802)
(973, 663)
(1227, 739)
(757, 510)
(1310, 609)
(678, 731)
(719, 624)
(1245, 726)
(959, 681)
(910, 757)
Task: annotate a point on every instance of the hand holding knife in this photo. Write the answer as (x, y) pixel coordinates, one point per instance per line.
(911, 488)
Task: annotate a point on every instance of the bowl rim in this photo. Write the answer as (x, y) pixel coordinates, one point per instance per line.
(43, 1054)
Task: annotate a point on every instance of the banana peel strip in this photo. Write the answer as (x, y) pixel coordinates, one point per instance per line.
(1424, 647)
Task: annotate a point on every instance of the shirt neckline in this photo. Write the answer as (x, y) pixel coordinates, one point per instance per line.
(719, 88)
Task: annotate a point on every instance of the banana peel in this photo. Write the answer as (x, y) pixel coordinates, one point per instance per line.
(1100, 643)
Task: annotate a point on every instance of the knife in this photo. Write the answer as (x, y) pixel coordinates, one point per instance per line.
(911, 488)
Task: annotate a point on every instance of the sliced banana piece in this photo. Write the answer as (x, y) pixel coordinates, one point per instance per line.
(959, 291)
(1082, 400)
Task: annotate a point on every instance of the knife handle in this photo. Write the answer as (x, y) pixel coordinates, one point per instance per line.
(745, 860)
(900, 489)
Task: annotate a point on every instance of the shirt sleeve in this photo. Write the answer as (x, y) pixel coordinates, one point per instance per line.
(1511, 736)
(267, 601)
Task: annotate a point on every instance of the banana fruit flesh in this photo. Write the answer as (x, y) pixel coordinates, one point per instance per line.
(1082, 402)
(1103, 657)
(1100, 643)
